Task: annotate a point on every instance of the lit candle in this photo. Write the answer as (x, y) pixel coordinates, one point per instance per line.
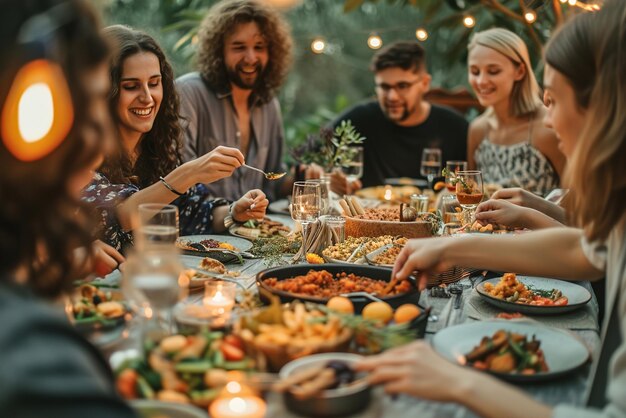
(238, 407)
(219, 298)
(388, 193)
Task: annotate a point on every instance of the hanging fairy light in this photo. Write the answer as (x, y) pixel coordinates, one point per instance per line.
(469, 21)
(318, 45)
(530, 16)
(421, 34)
(563, 1)
(572, 2)
(374, 41)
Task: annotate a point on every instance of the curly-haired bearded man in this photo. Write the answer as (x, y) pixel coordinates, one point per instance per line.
(244, 52)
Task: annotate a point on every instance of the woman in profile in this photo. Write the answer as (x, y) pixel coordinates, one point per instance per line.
(509, 142)
(585, 82)
(48, 369)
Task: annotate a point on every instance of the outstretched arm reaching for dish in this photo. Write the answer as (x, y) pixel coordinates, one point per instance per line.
(554, 252)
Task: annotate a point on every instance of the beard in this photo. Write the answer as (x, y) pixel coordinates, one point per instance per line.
(239, 78)
(406, 112)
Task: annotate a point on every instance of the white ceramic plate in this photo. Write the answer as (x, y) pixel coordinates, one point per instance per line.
(285, 220)
(239, 243)
(563, 352)
(280, 206)
(577, 296)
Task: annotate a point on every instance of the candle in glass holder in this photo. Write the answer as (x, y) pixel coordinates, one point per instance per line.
(388, 193)
(219, 298)
(238, 407)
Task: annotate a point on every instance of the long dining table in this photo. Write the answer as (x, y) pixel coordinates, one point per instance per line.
(568, 389)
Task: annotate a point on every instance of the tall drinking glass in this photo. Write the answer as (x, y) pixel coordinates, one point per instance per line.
(469, 192)
(453, 167)
(305, 207)
(431, 164)
(158, 224)
(354, 168)
(324, 184)
(152, 283)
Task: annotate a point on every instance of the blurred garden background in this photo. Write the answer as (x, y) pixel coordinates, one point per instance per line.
(324, 82)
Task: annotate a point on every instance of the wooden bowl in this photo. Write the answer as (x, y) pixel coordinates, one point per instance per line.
(373, 228)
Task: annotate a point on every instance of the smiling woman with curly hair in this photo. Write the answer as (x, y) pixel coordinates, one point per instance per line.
(244, 53)
(147, 168)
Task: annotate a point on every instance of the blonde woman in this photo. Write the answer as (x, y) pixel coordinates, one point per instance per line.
(509, 142)
(585, 82)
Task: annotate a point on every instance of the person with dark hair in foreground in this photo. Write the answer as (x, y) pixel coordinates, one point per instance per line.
(48, 369)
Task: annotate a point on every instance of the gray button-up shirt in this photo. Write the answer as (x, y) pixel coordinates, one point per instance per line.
(210, 120)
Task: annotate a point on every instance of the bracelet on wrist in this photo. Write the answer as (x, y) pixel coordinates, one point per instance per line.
(169, 187)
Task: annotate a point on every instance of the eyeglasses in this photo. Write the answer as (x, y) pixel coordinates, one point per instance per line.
(401, 87)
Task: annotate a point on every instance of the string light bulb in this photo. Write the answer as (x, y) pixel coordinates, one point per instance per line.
(469, 21)
(318, 46)
(572, 2)
(421, 34)
(563, 1)
(374, 41)
(530, 16)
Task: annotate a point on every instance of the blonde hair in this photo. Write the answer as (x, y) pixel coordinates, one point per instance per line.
(590, 52)
(525, 96)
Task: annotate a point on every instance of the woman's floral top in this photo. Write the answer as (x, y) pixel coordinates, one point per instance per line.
(195, 209)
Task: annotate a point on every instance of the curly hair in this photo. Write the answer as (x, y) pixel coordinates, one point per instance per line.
(160, 148)
(221, 20)
(39, 224)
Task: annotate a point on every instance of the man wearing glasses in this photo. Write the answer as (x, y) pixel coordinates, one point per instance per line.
(400, 123)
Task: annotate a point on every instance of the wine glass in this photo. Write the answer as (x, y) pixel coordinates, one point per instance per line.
(431, 164)
(353, 169)
(158, 224)
(324, 184)
(469, 192)
(152, 283)
(453, 167)
(305, 207)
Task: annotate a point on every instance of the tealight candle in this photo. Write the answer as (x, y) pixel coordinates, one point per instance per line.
(219, 297)
(388, 193)
(238, 407)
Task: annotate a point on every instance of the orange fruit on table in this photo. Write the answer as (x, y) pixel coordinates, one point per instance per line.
(406, 313)
(378, 311)
(439, 185)
(340, 304)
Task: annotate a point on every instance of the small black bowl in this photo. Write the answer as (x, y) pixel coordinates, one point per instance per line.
(359, 302)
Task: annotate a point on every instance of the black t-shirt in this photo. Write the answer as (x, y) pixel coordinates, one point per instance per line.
(396, 151)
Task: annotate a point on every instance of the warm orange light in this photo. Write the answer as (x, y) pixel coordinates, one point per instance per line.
(530, 16)
(38, 112)
(421, 34)
(318, 45)
(469, 21)
(374, 41)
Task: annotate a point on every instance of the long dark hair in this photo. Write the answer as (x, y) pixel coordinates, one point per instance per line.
(221, 21)
(39, 223)
(160, 148)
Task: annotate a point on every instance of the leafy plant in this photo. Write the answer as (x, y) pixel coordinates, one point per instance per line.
(330, 148)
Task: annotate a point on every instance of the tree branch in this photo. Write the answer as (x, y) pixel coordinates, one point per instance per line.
(558, 12)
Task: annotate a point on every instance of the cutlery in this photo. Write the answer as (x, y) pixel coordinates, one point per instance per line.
(269, 175)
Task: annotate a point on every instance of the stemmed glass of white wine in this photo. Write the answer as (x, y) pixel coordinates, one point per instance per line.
(306, 206)
(431, 164)
(353, 169)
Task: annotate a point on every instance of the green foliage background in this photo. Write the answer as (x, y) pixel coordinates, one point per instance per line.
(320, 86)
